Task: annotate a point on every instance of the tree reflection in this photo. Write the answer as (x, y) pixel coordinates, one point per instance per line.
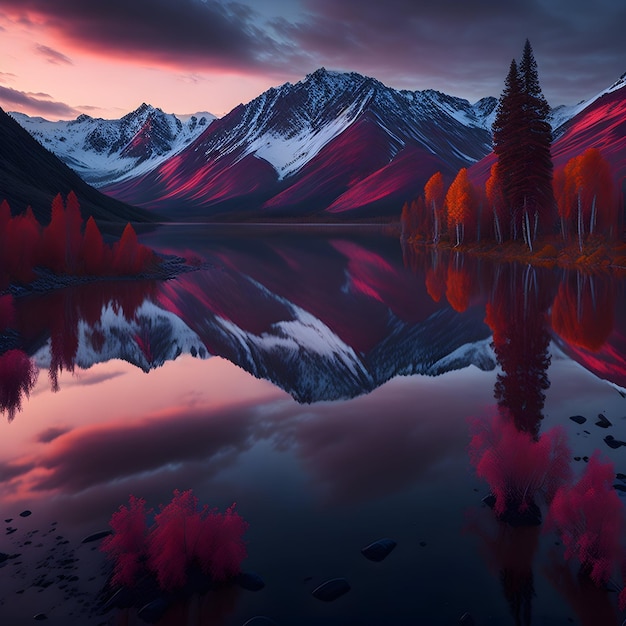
(517, 316)
(583, 310)
(18, 376)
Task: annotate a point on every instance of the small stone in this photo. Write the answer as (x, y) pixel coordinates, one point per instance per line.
(379, 550)
(40, 617)
(586, 459)
(620, 487)
(331, 589)
(621, 476)
(8, 520)
(153, 611)
(576, 458)
(613, 443)
(250, 581)
(26, 513)
(97, 536)
(579, 419)
(603, 422)
(423, 544)
(466, 620)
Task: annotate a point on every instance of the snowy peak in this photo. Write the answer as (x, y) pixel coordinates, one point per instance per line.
(103, 151)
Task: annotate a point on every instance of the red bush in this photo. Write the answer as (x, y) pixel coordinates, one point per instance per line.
(182, 536)
(590, 519)
(127, 545)
(516, 466)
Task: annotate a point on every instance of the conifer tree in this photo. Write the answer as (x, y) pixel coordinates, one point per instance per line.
(522, 138)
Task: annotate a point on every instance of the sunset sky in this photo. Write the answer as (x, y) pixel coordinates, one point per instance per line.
(60, 58)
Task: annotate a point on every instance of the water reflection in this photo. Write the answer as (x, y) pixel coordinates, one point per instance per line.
(415, 345)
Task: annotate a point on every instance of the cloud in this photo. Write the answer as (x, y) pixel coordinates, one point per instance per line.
(465, 47)
(186, 33)
(37, 104)
(53, 56)
(50, 434)
(6, 77)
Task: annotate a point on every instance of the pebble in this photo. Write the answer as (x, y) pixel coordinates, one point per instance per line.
(331, 589)
(379, 550)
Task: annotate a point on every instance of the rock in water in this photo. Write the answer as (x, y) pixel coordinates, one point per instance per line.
(250, 581)
(379, 550)
(26, 513)
(153, 611)
(466, 620)
(40, 617)
(579, 419)
(97, 536)
(331, 589)
(260, 620)
(613, 443)
(603, 422)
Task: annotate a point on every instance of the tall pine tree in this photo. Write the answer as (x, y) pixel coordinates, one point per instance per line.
(522, 138)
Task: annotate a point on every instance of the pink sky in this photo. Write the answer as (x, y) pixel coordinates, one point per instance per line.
(59, 59)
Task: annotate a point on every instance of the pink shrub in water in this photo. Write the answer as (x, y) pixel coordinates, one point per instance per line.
(183, 536)
(516, 465)
(127, 545)
(590, 519)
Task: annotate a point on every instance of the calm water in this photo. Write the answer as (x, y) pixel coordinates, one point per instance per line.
(326, 383)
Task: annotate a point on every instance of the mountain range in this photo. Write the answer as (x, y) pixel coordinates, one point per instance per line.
(31, 175)
(107, 151)
(333, 146)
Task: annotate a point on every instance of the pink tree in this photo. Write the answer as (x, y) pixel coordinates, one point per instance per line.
(590, 519)
(517, 466)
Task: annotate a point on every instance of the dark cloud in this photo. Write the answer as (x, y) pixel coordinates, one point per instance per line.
(50, 434)
(34, 103)
(53, 56)
(198, 33)
(100, 454)
(465, 48)
(462, 47)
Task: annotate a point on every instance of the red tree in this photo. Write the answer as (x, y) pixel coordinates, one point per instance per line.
(54, 238)
(182, 537)
(460, 204)
(93, 251)
(129, 256)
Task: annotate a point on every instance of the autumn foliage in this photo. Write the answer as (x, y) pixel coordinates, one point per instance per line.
(183, 536)
(517, 466)
(590, 519)
(66, 245)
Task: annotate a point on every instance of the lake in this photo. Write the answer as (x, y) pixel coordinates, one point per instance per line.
(335, 386)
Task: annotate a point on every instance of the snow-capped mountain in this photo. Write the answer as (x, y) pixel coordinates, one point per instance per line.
(104, 151)
(32, 176)
(152, 337)
(300, 147)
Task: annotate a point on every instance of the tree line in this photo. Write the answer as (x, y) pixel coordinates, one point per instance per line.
(523, 197)
(67, 245)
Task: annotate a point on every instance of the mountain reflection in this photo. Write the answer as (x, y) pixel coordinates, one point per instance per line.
(329, 316)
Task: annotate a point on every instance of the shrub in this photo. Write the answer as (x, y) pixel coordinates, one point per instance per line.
(182, 537)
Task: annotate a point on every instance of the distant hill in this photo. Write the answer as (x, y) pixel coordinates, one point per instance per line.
(31, 175)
